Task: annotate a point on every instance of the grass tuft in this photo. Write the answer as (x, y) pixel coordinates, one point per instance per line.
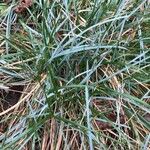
(75, 75)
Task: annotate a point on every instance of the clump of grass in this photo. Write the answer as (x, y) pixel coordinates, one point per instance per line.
(84, 67)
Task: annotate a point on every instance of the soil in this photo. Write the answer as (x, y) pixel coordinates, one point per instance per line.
(10, 98)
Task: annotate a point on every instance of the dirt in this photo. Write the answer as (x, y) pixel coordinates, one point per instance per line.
(8, 99)
(11, 97)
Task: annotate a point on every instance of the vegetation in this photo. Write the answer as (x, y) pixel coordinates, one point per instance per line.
(75, 75)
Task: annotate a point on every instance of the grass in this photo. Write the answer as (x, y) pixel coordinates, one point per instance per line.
(82, 70)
